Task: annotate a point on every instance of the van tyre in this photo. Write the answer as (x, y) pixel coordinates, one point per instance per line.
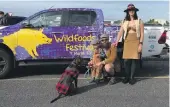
(6, 63)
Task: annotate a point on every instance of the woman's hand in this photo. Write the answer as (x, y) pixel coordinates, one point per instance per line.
(115, 43)
(90, 63)
(140, 48)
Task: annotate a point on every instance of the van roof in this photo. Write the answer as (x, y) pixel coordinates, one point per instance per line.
(82, 9)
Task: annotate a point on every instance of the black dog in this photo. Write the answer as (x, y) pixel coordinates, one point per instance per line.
(69, 79)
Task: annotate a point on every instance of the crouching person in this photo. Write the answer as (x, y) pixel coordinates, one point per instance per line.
(111, 54)
(96, 58)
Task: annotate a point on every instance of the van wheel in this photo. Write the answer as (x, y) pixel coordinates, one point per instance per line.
(6, 63)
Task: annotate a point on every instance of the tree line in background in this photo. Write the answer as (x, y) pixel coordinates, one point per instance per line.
(151, 21)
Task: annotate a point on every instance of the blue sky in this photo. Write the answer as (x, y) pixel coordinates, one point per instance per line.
(112, 9)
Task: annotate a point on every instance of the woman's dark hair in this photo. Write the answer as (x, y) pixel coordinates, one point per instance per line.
(128, 16)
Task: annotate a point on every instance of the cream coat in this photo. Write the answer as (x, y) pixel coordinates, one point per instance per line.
(137, 23)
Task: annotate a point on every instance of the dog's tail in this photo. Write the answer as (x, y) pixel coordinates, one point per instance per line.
(56, 98)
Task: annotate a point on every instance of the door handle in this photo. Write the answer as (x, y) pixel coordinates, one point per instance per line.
(92, 31)
(57, 32)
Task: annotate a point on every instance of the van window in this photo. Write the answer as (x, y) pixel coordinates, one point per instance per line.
(47, 19)
(81, 18)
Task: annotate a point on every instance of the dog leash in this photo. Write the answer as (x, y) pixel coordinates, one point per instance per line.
(87, 73)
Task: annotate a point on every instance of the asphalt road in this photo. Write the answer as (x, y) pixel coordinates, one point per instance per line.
(28, 87)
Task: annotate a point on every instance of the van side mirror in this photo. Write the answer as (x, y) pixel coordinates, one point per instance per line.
(26, 24)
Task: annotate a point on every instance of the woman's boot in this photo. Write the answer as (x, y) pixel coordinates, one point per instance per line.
(127, 70)
(133, 70)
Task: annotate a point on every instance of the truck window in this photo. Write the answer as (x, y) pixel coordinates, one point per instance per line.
(14, 20)
(47, 19)
(81, 18)
(11, 20)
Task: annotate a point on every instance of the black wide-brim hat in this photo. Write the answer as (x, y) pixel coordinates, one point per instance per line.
(131, 7)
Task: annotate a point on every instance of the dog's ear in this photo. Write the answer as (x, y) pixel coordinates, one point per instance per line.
(77, 56)
(78, 60)
(80, 57)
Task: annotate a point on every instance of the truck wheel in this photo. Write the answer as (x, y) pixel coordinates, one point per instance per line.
(6, 63)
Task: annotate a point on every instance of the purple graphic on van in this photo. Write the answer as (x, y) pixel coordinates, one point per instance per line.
(55, 42)
(112, 31)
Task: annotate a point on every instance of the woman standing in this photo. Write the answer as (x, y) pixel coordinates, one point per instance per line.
(132, 29)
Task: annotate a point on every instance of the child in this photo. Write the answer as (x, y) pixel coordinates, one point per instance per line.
(96, 58)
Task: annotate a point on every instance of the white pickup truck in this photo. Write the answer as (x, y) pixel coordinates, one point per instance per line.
(155, 37)
(167, 37)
